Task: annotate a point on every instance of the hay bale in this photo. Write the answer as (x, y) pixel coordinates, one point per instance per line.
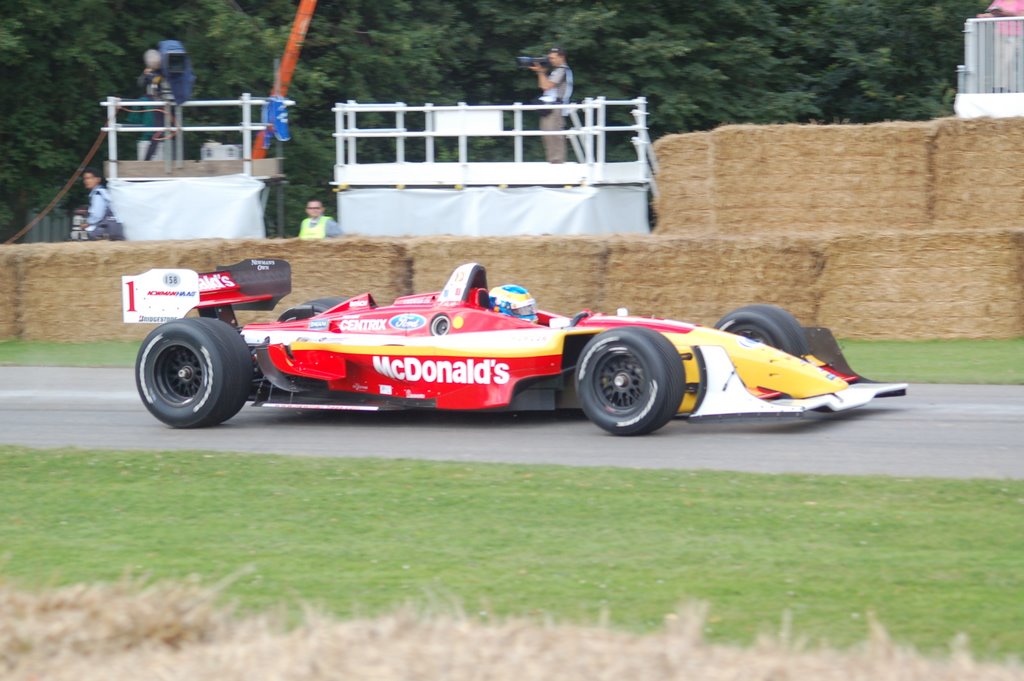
(787, 178)
(564, 274)
(71, 292)
(895, 284)
(924, 286)
(9, 280)
(342, 267)
(1018, 240)
(701, 279)
(978, 166)
(685, 204)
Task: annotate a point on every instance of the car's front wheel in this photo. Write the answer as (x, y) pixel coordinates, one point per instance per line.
(194, 372)
(768, 324)
(630, 380)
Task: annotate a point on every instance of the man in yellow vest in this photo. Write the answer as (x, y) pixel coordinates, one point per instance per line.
(318, 225)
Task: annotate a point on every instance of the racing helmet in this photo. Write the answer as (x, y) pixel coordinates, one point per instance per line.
(514, 301)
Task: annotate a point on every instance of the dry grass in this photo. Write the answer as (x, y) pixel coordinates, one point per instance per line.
(172, 631)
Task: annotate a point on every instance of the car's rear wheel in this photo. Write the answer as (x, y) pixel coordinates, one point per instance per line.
(310, 308)
(630, 380)
(194, 372)
(768, 324)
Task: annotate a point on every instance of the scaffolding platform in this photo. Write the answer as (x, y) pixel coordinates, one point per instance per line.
(422, 170)
(261, 169)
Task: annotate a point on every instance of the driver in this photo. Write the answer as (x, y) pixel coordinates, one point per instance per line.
(514, 301)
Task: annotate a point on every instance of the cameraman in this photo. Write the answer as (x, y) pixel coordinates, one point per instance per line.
(155, 87)
(557, 89)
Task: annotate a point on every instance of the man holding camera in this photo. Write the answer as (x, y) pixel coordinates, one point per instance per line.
(557, 89)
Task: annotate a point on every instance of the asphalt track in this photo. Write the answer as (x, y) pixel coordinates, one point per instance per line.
(951, 431)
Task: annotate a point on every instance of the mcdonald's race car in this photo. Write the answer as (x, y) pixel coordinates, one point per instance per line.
(453, 350)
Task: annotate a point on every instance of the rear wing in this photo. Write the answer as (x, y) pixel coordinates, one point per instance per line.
(161, 295)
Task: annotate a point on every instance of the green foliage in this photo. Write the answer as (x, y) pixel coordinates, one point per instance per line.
(699, 64)
(883, 59)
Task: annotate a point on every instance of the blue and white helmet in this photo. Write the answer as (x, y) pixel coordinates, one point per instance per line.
(514, 301)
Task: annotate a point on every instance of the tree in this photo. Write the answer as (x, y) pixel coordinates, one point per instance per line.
(700, 64)
(875, 60)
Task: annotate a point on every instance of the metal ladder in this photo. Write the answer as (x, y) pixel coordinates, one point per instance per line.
(643, 139)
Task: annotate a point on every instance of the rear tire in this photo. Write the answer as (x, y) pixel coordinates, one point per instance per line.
(310, 309)
(630, 380)
(768, 324)
(193, 373)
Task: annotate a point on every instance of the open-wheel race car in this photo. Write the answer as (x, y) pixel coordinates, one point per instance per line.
(462, 348)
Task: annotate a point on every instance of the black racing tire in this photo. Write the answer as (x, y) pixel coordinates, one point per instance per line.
(310, 308)
(194, 372)
(630, 380)
(768, 324)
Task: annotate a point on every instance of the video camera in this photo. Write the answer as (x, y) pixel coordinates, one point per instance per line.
(177, 69)
(527, 62)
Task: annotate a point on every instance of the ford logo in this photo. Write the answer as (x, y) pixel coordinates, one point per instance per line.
(407, 322)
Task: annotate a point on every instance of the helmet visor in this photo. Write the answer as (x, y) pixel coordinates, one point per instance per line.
(527, 308)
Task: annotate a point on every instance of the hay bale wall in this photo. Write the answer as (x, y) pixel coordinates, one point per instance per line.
(928, 285)
(897, 285)
(685, 203)
(71, 292)
(743, 179)
(978, 170)
(789, 178)
(700, 279)
(894, 230)
(564, 274)
(9, 325)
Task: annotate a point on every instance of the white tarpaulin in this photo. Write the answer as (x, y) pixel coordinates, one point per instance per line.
(492, 211)
(991, 105)
(224, 207)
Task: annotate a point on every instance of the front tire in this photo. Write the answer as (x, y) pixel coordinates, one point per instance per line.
(193, 373)
(630, 380)
(768, 324)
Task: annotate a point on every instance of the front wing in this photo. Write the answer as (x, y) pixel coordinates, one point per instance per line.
(725, 395)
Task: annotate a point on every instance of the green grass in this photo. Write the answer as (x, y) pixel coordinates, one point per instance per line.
(946, 361)
(929, 558)
(950, 361)
(38, 353)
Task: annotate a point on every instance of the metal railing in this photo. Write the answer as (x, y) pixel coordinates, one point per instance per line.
(993, 56)
(55, 226)
(174, 128)
(587, 133)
